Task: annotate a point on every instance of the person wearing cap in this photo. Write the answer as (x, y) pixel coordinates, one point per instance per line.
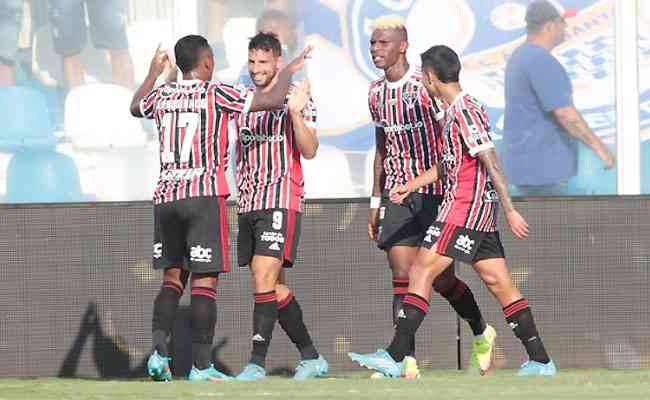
(542, 127)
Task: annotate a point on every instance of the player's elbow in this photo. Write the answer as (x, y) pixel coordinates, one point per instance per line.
(135, 110)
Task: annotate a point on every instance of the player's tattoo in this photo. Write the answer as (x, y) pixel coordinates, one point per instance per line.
(491, 163)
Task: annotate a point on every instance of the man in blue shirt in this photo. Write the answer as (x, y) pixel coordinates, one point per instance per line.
(541, 122)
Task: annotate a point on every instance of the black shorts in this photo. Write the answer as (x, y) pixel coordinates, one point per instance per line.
(107, 20)
(192, 234)
(404, 224)
(460, 243)
(274, 232)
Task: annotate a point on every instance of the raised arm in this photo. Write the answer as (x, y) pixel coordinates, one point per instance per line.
(517, 223)
(299, 110)
(159, 63)
(274, 98)
(573, 122)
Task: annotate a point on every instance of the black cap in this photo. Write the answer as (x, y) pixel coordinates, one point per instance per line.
(541, 11)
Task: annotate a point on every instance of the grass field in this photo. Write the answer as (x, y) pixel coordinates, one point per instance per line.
(446, 385)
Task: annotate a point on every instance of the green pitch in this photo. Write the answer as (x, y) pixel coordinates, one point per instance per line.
(447, 385)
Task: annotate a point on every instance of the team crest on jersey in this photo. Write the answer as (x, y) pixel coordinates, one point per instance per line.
(410, 99)
(279, 114)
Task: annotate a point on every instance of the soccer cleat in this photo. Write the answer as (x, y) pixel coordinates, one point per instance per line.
(482, 350)
(410, 368)
(158, 367)
(209, 374)
(534, 368)
(379, 361)
(308, 369)
(251, 372)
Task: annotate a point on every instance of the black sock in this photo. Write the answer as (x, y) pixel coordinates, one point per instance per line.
(410, 317)
(400, 289)
(164, 313)
(265, 313)
(291, 321)
(520, 319)
(202, 322)
(461, 298)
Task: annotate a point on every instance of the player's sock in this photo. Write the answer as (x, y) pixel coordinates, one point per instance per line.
(164, 312)
(461, 298)
(291, 321)
(410, 317)
(520, 319)
(202, 322)
(400, 289)
(265, 313)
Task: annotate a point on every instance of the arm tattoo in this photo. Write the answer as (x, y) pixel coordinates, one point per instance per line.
(491, 163)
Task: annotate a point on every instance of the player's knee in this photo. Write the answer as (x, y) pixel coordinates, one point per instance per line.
(444, 284)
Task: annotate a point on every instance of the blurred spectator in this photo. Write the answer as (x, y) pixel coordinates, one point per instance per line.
(11, 15)
(541, 122)
(107, 20)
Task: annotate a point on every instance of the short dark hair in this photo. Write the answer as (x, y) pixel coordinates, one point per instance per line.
(266, 41)
(444, 62)
(188, 49)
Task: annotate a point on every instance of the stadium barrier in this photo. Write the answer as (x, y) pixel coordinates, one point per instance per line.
(76, 290)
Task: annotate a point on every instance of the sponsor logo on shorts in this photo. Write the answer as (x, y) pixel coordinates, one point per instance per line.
(464, 244)
(200, 254)
(401, 314)
(157, 250)
(432, 231)
(258, 338)
(276, 237)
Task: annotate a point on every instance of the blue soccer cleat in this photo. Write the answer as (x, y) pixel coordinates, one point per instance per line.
(209, 374)
(308, 369)
(534, 368)
(379, 361)
(251, 372)
(158, 367)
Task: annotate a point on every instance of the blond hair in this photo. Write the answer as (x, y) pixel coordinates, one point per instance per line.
(388, 22)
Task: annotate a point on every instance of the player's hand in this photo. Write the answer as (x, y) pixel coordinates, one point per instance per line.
(609, 160)
(373, 223)
(159, 62)
(299, 97)
(399, 193)
(297, 63)
(517, 223)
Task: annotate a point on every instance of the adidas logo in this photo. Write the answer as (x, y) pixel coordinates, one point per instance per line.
(401, 314)
(274, 246)
(513, 325)
(427, 238)
(258, 338)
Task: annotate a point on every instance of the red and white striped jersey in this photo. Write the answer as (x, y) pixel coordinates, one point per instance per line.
(411, 121)
(192, 121)
(269, 171)
(470, 200)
